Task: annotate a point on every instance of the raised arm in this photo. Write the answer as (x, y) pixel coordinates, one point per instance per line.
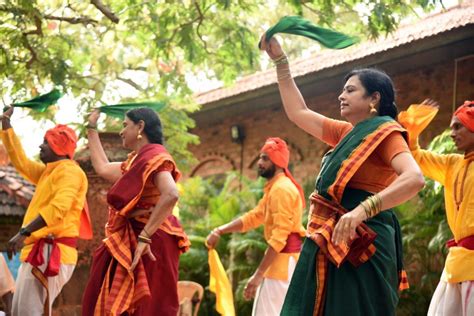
(29, 169)
(108, 170)
(293, 102)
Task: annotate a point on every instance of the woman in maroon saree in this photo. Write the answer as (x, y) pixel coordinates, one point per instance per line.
(135, 270)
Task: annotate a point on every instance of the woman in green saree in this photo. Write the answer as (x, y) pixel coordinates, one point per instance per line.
(351, 262)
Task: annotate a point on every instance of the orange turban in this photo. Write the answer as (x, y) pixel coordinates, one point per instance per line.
(278, 152)
(62, 140)
(465, 113)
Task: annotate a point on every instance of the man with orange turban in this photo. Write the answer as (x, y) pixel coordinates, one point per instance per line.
(454, 294)
(280, 211)
(54, 220)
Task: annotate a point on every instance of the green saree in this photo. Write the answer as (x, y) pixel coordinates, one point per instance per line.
(365, 278)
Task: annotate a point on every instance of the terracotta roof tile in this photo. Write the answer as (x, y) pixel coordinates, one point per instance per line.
(430, 26)
(15, 192)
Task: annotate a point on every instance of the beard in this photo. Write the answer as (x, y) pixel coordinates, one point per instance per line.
(267, 173)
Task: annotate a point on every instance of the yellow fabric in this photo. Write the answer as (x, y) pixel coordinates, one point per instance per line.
(415, 119)
(280, 211)
(220, 285)
(59, 197)
(446, 169)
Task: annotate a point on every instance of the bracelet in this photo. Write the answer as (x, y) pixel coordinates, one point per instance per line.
(372, 205)
(283, 74)
(90, 126)
(280, 60)
(144, 239)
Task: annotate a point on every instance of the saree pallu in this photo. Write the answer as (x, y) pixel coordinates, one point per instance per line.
(364, 277)
(162, 275)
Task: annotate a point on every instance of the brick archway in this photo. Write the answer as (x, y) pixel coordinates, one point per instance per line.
(213, 164)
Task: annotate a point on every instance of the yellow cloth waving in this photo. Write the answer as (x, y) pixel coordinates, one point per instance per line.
(220, 285)
(415, 119)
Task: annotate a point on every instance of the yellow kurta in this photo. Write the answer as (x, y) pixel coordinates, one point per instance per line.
(59, 197)
(280, 211)
(449, 170)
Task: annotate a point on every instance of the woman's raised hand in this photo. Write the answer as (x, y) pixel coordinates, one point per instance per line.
(94, 117)
(272, 47)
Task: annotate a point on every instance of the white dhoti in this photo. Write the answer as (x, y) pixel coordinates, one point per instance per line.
(30, 295)
(453, 299)
(271, 294)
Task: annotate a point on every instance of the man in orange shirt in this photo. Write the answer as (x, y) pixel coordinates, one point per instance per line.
(280, 211)
(52, 221)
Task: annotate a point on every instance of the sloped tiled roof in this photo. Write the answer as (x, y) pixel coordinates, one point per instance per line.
(435, 24)
(15, 192)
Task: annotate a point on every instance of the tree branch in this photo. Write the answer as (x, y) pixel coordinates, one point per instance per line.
(79, 20)
(200, 21)
(131, 83)
(105, 11)
(38, 30)
(34, 56)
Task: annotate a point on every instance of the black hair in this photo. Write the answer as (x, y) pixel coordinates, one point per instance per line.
(375, 80)
(152, 129)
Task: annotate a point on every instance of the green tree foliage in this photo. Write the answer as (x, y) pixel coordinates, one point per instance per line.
(95, 50)
(425, 232)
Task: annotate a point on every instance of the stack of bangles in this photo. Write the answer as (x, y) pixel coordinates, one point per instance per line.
(217, 231)
(372, 205)
(92, 127)
(145, 239)
(283, 73)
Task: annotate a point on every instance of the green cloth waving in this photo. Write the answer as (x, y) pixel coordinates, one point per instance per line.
(119, 110)
(299, 26)
(41, 102)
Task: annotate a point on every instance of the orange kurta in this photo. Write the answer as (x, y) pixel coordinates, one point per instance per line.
(280, 211)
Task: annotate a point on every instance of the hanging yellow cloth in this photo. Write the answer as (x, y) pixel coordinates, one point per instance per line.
(220, 285)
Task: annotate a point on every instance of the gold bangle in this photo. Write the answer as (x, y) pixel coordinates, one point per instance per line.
(90, 126)
(280, 60)
(282, 56)
(366, 209)
(144, 239)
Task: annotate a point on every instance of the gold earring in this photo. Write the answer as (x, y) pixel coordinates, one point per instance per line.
(139, 136)
(373, 110)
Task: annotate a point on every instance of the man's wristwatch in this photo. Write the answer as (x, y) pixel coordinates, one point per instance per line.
(25, 232)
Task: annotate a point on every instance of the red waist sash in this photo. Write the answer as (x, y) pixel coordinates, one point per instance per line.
(466, 242)
(293, 244)
(35, 257)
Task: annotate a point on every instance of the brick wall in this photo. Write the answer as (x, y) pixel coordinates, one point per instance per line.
(216, 151)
